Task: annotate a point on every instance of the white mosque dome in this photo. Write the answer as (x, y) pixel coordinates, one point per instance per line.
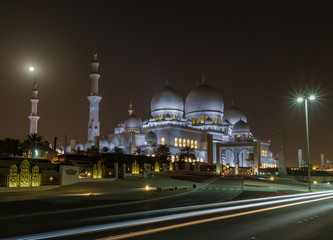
(150, 138)
(133, 122)
(204, 98)
(234, 114)
(167, 101)
(241, 127)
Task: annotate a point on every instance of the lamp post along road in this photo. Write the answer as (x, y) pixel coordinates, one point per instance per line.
(300, 99)
(307, 140)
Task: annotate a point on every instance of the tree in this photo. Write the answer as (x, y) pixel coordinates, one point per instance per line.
(35, 142)
(163, 151)
(94, 151)
(119, 154)
(105, 150)
(139, 150)
(187, 153)
(11, 146)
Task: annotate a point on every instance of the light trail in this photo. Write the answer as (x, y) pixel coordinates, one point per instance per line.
(138, 222)
(155, 230)
(210, 205)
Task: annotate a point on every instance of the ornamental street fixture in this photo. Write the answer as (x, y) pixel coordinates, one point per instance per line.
(306, 99)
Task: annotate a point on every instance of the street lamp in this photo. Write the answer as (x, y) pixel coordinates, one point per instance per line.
(306, 99)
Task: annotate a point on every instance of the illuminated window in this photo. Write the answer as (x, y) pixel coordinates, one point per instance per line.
(171, 116)
(162, 141)
(178, 118)
(160, 117)
(219, 120)
(156, 118)
(215, 120)
(192, 144)
(188, 142)
(202, 120)
(206, 117)
(163, 116)
(263, 153)
(176, 142)
(211, 118)
(197, 120)
(193, 120)
(184, 142)
(196, 144)
(179, 142)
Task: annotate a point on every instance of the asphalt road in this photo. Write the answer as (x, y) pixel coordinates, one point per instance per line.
(218, 190)
(285, 217)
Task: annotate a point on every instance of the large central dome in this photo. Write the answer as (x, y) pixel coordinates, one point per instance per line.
(167, 101)
(204, 98)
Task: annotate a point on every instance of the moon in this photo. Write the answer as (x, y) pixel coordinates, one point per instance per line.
(31, 69)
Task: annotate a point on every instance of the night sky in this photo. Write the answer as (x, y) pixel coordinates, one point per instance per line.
(262, 55)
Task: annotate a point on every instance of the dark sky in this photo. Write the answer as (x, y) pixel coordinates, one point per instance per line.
(260, 54)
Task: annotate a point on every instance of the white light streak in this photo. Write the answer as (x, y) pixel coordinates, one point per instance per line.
(138, 222)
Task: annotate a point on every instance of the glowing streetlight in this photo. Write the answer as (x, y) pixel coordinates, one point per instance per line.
(31, 69)
(306, 99)
(299, 99)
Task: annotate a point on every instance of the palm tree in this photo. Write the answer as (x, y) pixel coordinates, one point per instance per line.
(139, 150)
(35, 142)
(11, 146)
(187, 153)
(163, 151)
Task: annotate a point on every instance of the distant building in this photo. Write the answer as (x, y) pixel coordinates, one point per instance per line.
(201, 122)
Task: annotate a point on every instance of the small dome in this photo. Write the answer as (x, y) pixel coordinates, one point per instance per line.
(133, 122)
(103, 143)
(150, 138)
(79, 147)
(89, 144)
(241, 127)
(166, 99)
(68, 148)
(234, 114)
(204, 98)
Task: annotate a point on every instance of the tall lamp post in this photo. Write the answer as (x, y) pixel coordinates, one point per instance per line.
(306, 100)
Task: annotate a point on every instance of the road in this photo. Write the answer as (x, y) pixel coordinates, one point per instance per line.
(199, 214)
(217, 190)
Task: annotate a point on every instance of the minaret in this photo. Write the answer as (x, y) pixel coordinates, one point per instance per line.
(33, 116)
(94, 99)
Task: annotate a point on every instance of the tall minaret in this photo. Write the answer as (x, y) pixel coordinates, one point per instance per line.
(94, 99)
(33, 116)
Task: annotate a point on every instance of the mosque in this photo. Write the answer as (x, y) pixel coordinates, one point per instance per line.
(218, 134)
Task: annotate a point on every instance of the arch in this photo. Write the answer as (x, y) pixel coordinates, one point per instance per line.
(228, 157)
(242, 158)
(13, 176)
(25, 174)
(202, 120)
(35, 179)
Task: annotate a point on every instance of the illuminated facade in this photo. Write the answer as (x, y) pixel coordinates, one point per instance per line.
(217, 135)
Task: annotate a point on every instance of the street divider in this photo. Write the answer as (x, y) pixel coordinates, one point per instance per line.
(160, 189)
